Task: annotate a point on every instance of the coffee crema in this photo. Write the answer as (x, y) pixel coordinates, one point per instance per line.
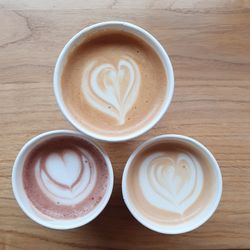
(113, 83)
(170, 183)
(65, 177)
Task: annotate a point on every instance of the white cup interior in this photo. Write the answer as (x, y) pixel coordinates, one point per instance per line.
(78, 39)
(26, 205)
(196, 221)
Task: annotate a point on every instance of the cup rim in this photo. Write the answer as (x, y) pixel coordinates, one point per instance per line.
(75, 224)
(214, 165)
(157, 47)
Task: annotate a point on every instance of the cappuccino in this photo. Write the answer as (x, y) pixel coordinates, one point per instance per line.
(171, 185)
(113, 83)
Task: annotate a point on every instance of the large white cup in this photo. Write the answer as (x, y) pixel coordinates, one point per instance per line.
(128, 27)
(25, 203)
(205, 213)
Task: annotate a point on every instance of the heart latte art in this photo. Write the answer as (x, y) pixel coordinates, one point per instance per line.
(112, 89)
(113, 84)
(171, 184)
(65, 177)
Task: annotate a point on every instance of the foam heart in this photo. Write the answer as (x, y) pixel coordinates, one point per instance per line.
(64, 168)
(112, 90)
(66, 177)
(171, 184)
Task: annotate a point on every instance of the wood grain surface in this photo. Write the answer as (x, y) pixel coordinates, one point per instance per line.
(209, 45)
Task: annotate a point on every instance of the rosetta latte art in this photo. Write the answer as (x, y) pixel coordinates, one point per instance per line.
(171, 184)
(67, 177)
(110, 89)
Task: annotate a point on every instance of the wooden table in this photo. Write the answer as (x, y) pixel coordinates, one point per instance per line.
(209, 44)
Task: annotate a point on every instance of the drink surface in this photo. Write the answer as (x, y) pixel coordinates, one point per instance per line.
(65, 177)
(170, 183)
(113, 83)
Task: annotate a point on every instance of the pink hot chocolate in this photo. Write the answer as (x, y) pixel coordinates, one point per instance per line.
(65, 177)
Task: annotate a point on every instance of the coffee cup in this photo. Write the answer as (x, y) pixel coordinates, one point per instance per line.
(113, 81)
(172, 184)
(62, 180)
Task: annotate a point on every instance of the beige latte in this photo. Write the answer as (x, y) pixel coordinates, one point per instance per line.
(170, 183)
(113, 83)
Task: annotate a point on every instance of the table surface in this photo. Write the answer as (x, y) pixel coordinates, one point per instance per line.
(209, 45)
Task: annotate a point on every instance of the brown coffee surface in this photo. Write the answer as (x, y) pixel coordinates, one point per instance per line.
(113, 83)
(65, 177)
(170, 183)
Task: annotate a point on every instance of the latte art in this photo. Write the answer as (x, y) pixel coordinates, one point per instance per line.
(66, 177)
(112, 89)
(171, 184)
(113, 84)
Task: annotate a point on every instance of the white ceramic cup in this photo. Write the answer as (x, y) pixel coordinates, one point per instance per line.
(25, 203)
(197, 220)
(128, 27)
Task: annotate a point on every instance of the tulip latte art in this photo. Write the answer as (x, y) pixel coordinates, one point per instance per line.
(113, 83)
(65, 177)
(170, 183)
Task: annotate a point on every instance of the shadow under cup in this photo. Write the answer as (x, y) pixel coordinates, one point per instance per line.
(25, 203)
(172, 184)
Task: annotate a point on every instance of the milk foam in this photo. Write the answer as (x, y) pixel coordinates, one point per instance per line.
(67, 177)
(112, 89)
(171, 183)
